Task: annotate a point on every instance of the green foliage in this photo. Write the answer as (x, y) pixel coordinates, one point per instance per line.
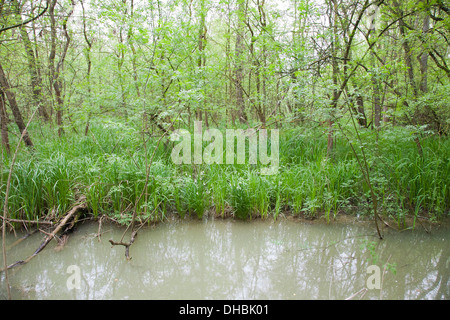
(240, 199)
(148, 65)
(194, 196)
(110, 170)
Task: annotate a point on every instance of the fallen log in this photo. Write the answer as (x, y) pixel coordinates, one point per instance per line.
(76, 209)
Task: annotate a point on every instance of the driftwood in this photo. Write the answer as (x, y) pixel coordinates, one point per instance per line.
(69, 215)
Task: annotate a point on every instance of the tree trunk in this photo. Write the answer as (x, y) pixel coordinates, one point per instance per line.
(240, 105)
(335, 70)
(120, 61)
(4, 122)
(376, 101)
(36, 82)
(362, 120)
(56, 80)
(201, 57)
(4, 86)
(228, 72)
(133, 51)
(89, 65)
(406, 49)
(423, 58)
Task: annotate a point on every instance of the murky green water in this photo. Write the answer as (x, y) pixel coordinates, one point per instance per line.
(226, 259)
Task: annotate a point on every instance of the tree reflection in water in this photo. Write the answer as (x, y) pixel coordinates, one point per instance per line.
(225, 259)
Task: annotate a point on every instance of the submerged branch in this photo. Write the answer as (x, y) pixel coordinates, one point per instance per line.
(27, 221)
(125, 244)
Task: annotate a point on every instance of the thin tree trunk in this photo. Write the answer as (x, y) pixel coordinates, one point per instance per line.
(227, 83)
(4, 123)
(89, 65)
(406, 49)
(423, 58)
(133, 51)
(120, 62)
(239, 71)
(201, 58)
(335, 70)
(376, 101)
(262, 106)
(56, 80)
(52, 55)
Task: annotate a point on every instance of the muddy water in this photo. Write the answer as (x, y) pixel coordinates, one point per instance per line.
(226, 259)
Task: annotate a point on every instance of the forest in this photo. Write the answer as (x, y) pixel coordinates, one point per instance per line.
(91, 92)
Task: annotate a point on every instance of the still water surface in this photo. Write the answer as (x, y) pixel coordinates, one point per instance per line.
(227, 259)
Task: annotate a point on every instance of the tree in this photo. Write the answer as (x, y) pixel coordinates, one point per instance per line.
(89, 64)
(239, 64)
(55, 72)
(4, 123)
(36, 81)
(5, 88)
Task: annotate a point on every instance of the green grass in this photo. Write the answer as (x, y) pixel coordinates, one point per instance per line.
(109, 167)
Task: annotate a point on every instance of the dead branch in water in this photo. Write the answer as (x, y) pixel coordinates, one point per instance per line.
(125, 244)
(28, 221)
(133, 219)
(72, 213)
(62, 242)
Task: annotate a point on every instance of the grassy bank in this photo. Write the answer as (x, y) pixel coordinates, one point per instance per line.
(109, 167)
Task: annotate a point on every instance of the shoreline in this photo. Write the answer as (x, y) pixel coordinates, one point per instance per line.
(410, 222)
(424, 221)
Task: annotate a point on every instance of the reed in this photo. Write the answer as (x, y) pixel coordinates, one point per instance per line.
(108, 166)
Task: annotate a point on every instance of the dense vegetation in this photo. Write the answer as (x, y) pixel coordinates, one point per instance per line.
(359, 90)
(109, 167)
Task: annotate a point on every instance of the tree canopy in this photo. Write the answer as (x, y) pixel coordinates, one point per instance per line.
(236, 61)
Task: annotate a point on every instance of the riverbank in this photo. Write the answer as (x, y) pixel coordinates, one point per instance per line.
(109, 168)
(409, 222)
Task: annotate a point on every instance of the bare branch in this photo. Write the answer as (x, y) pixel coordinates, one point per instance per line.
(26, 21)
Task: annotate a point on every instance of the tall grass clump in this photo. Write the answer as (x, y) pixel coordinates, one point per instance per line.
(192, 197)
(240, 199)
(40, 186)
(411, 179)
(218, 185)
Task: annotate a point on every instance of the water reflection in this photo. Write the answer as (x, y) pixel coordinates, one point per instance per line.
(237, 260)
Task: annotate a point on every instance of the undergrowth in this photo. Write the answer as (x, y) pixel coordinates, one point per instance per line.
(109, 167)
